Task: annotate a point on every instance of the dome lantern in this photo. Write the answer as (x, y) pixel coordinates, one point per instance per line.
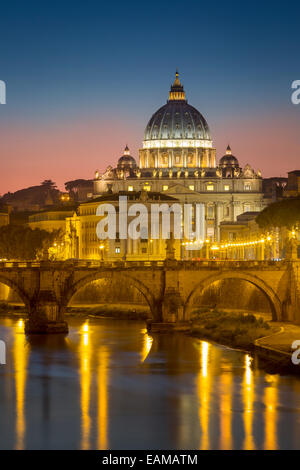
(126, 150)
(177, 92)
(228, 150)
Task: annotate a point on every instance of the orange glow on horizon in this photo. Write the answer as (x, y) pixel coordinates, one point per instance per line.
(98, 142)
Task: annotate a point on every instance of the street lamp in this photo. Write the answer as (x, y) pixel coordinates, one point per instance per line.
(101, 247)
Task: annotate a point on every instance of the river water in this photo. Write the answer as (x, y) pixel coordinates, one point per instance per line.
(110, 385)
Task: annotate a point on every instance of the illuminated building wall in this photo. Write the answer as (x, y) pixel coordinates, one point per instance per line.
(83, 241)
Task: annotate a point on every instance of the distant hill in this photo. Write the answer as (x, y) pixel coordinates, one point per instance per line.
(32, 198)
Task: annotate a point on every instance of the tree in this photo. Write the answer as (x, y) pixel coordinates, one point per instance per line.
(23, 243)
(285, 213)
(74, 187)
(75, 184)
(49, 184)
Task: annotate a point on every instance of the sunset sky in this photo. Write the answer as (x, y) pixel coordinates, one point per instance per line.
(83, 79)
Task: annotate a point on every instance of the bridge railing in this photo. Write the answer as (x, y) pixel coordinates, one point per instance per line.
(183, 264)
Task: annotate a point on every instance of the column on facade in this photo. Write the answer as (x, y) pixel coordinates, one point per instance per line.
(207, 158)
(123, 247)
(203, 164)
(170, 156)
(212, 158)
(234, 211)
(129, 246)
(134, 249)
(198, 161)
(152, 247)
(262, 250)
(203, 158)
(273, 249)
(218, 208)
(236, 205)
(184, 156)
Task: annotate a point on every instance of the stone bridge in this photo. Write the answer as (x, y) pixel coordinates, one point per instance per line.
(169, 287)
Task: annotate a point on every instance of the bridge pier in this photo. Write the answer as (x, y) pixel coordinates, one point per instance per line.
(172, 306)
(46, 316)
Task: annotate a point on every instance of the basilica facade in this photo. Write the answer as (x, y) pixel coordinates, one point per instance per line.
(178, 159)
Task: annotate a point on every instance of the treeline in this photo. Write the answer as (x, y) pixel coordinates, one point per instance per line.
(285, 213)
(23, 243)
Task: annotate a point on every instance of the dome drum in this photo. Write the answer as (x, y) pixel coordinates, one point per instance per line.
(177, 158)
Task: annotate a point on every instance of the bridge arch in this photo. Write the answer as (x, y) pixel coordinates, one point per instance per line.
(270, 294)
(117, 275)
(13, 285)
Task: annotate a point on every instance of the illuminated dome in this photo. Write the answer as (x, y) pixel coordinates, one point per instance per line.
(177, 123)
(126, 162)
(229, 160)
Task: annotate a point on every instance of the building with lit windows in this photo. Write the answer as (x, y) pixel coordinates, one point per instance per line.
(51, 219)
(82, 241)
(4, 215)
(292, 188)
(178, 159)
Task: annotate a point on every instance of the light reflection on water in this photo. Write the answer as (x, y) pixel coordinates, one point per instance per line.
(111, 385)
(85, 382)
(248, 392)
(20, 352)
(203, 392)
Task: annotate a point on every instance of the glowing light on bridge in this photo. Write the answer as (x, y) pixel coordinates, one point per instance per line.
(213, 246)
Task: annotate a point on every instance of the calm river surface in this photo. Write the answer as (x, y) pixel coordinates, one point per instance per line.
(109, 385)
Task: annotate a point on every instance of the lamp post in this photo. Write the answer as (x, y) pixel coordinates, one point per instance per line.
(150, 249)
(207, 249)
(101, 248)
